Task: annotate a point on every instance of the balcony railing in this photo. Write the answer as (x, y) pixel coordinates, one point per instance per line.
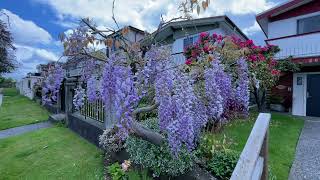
(298, 46)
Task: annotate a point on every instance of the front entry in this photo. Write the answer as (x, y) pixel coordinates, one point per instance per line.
(313, 95)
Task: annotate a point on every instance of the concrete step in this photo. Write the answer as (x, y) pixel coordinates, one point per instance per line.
(55, 118)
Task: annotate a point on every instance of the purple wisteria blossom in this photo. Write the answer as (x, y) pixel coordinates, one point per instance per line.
(51, 85)
(92, 87)
(119, 92)
(213, 93)
(79, 97)
(181, 129)
(242, 94)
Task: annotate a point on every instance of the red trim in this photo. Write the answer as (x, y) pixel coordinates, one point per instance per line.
(308, 8)
(306, 60)
(267, 14)
(295, 35)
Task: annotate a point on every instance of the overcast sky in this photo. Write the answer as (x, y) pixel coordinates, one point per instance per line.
(35, 24)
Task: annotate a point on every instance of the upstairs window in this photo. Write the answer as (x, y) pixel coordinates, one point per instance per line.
(310, 24)
(190, 41)
(187, 42)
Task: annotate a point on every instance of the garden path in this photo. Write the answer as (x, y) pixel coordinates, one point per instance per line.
(23, 129)
(306, 165)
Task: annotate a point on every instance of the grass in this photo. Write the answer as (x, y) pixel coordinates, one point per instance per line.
(283, 137)
(53, 153)
(18, 110)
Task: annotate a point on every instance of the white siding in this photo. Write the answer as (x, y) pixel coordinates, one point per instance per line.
(286, 27)
(25, 90)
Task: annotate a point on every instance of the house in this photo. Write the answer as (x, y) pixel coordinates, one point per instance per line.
(133, 35)
(26, 85)
(295, 27)
(181, 34)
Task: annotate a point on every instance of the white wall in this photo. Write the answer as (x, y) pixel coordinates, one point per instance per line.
(286, 27)
(25, 90)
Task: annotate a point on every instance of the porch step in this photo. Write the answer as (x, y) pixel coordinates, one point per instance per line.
(57, 117)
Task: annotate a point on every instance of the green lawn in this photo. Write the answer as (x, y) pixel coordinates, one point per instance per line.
(18, 110)
(284, 135)
(53, 153)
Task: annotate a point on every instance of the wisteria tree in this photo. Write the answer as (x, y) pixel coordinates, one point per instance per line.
(208, 90)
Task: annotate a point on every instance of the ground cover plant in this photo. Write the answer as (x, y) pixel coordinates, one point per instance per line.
(53, 153)
(18, 110)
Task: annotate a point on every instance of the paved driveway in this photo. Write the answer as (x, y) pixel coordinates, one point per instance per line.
(306, 165)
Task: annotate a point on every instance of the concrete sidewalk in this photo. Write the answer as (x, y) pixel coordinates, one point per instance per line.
(23, 129)
(306, 165)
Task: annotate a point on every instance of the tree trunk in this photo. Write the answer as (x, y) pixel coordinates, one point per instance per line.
(260, 98)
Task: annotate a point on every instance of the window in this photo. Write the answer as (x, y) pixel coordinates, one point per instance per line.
(29, 84)
(190, 41)
(187, 42)
(310, 24)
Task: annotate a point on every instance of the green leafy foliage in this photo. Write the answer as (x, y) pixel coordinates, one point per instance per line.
(223, 163)
(286, 65)
(138, 175)
(158, 158)
(116, 172)
(209, 144)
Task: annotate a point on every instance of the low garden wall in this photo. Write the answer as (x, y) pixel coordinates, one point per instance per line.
(85, 127)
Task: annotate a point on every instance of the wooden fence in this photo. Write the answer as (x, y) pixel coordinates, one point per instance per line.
(93, 110)
(253, 161)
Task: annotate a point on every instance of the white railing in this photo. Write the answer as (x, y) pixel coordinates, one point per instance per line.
(253, 161)
(178, 58)
(298, 46)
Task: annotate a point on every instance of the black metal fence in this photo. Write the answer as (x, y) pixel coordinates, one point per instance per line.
(93, 110)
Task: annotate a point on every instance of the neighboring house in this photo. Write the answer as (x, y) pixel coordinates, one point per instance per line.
(295, 27)
(182, 34)
(25, 86)
(133, 35)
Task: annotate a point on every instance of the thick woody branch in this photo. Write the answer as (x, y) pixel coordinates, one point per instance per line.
(147, 134)
(145, 109)
(144, 132)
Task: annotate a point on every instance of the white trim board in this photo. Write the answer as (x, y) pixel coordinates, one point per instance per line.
(299, 103)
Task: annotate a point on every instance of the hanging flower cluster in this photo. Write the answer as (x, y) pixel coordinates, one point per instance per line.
(79, 97)
(51, 85)
(119, 93)
(92, 89)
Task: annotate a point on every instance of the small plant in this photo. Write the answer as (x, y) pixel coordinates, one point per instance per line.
(209, 143)
(223, 163)
(109, 141)
(116, 172)
(158, 158)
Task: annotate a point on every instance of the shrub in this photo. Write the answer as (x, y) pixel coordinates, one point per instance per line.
(223, 163)
(109, 141)
(116, 172)
(158, 158)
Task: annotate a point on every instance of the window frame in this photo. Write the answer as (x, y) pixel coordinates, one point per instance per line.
(301, 19)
